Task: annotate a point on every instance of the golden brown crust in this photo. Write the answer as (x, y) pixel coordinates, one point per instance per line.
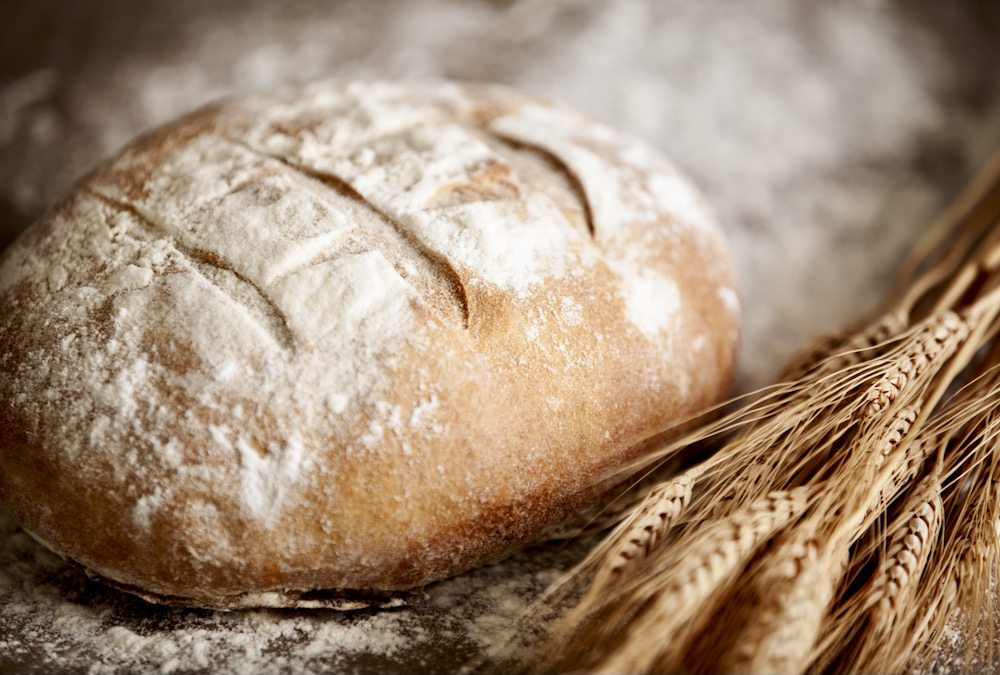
(360, 336)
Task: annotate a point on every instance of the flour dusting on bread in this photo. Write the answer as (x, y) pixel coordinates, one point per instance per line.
(358, 336)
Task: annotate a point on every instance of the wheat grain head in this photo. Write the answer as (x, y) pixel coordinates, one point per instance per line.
(710, 557)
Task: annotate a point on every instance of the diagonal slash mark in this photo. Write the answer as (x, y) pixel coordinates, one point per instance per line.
(437, 261)
(559, 163)
(283, 336)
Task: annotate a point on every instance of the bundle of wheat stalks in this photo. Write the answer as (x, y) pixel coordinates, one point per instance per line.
(850, 513)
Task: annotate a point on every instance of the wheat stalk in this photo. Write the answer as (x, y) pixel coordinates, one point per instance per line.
(847, 513)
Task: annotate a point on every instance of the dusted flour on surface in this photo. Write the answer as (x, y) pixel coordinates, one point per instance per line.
(81, 626)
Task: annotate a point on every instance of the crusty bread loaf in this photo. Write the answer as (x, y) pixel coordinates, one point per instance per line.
(351, 338)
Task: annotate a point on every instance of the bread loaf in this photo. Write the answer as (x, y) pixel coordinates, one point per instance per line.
(324, 345)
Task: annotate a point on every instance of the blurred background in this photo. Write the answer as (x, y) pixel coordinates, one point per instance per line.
(827, 135)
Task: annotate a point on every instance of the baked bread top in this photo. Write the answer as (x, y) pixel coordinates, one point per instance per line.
(353, 337)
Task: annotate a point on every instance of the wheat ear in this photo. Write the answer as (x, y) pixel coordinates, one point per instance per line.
(834, 353)
(962, 562)
(967, 560)
(787, 595)
(896, 457)
(878, 629)
(614, 561)
(894, 431)
(910, 544)
(713, 555)
(937, 340)
(806, 439)
(793, 589)
(646, 526)
(880, 606)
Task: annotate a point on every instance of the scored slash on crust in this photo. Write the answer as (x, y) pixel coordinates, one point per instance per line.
(278, 328)
(560, 165)
(276, 323)
(445, 270)
(427, 271)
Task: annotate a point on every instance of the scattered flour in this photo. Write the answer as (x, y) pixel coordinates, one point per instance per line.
(80, 626)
